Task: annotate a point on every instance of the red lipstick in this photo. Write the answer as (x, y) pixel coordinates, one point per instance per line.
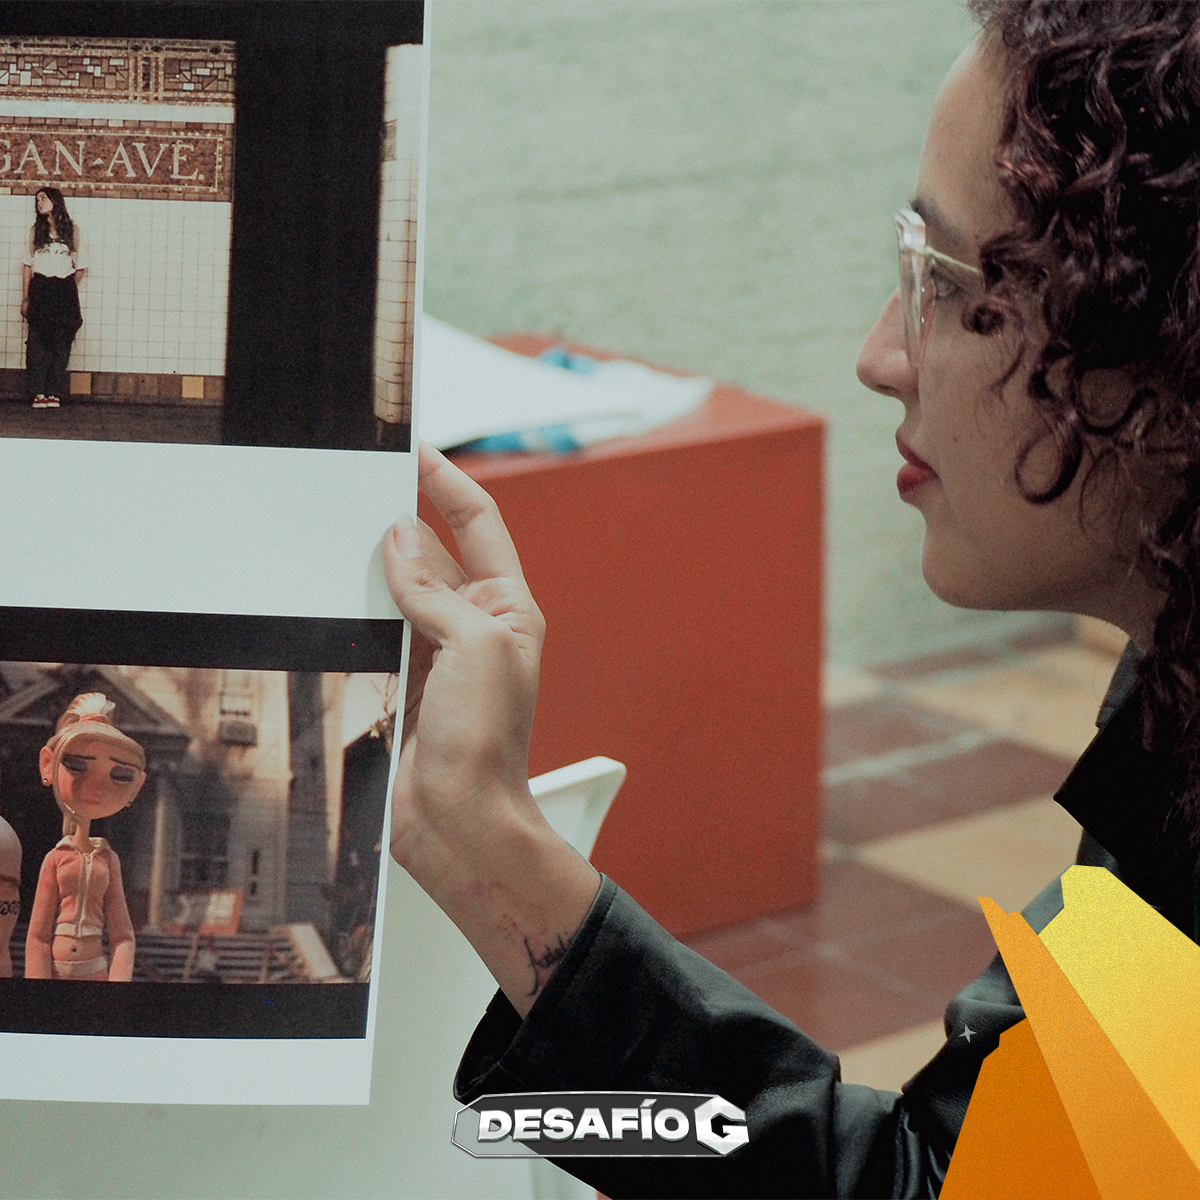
(915, 473)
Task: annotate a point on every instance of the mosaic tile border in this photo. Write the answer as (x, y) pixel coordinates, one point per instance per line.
(123, 387)
(117, 69)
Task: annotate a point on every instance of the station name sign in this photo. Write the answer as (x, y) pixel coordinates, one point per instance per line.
(155, 163)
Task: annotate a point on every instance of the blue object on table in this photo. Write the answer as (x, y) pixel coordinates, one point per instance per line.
(560, 356)
(559, 439)
(555, 439)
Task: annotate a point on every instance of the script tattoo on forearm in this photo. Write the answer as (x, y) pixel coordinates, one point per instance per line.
(543, 964)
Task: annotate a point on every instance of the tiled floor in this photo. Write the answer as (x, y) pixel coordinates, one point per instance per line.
(938, 790)
(98, 421)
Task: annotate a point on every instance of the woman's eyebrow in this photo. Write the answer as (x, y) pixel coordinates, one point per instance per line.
(942, 229)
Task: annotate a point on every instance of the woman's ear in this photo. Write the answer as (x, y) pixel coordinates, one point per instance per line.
(1108, 395)
(46, 762)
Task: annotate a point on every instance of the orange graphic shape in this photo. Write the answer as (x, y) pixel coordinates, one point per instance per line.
(1017, 1142)
(1129, 1148)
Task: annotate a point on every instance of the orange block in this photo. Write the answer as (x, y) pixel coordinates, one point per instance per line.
(680, 575)
(1017, 1142)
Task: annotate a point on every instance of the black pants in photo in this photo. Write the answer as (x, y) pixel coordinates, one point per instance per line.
(54, 319)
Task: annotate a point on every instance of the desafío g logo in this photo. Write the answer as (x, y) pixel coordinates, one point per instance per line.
(594, 1124)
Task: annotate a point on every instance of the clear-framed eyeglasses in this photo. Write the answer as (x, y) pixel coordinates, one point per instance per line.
(918, 290)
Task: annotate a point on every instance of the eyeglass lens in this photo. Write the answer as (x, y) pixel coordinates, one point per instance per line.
(910, 237)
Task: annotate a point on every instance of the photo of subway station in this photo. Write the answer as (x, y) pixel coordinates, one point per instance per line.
(138, 141)
(117, 198)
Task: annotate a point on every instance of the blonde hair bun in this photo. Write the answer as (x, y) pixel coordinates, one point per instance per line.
(90, 715)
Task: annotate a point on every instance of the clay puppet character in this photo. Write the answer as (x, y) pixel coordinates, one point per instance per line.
(10, 895)
(95, 771)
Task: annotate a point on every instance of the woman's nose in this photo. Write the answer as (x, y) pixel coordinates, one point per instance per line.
(883, 364)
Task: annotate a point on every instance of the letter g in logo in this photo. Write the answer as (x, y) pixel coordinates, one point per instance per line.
(734, 1135)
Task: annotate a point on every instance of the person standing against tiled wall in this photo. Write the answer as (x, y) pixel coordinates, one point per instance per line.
(50, 298)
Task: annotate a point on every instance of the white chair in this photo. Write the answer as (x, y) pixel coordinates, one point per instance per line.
(575, 799)
(433, 990)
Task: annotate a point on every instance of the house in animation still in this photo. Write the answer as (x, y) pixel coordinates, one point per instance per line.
(252, 852)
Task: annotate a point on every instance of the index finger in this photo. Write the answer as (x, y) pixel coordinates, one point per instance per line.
(483, 540)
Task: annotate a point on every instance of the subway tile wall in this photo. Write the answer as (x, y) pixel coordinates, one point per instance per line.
(155, 297)
(396, 287)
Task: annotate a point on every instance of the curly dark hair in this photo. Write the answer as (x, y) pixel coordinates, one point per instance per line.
(64, 227)
(1099, 154)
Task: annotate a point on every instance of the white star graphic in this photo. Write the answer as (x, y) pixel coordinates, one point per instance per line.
(967, 1031)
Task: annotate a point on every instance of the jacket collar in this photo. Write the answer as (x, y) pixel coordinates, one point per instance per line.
(1125, 798)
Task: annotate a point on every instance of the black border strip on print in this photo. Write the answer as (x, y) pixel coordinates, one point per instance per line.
(231, 642)
(184, 1010)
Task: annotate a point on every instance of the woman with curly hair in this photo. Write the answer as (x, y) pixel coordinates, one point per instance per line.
(50, 298)
(1044, 344)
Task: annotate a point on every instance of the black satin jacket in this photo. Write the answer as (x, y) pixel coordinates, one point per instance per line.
(630, 1008)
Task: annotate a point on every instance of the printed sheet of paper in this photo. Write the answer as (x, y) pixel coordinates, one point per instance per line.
(192, 533)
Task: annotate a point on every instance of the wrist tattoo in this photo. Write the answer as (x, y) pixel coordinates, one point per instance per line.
(543, 964)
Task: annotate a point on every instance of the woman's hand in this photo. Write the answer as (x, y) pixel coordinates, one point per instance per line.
(477, 638)
(25, 307)
(463, 821)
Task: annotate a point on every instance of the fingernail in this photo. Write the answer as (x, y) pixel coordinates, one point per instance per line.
(408, 537)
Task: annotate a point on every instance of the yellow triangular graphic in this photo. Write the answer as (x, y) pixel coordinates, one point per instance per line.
(1097, 1094)
(1131, 1152)
(1140, 979)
